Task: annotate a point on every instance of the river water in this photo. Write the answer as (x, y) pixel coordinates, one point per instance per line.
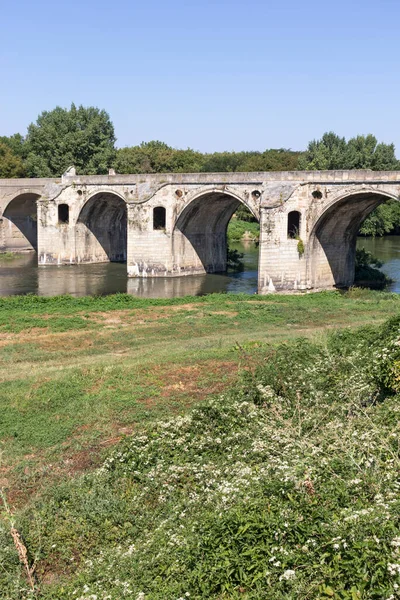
(387, 249)
(21, 275)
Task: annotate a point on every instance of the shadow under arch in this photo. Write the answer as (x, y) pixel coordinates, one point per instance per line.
(200, 232)
(19, 223)
(102, 229)
(332, 246)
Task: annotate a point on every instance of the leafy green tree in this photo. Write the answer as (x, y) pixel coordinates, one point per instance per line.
(10, 164)
(16, 143)
(384, 219)
(224, 162)
(157, 157)
(364, 152)
(360, 152)
(81, 136)
(271, 160)
(327, 153)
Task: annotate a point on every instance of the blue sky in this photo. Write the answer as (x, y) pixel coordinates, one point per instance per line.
(210, 75)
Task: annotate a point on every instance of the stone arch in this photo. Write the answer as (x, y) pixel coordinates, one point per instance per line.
(101, 229)
(19, 223)
(332, 242)
(199, 235)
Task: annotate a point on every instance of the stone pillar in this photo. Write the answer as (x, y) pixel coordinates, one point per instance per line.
(56, 241)
(281, 266)
(149, 249)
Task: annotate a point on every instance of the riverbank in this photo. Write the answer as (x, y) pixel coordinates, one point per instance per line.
(79, 374)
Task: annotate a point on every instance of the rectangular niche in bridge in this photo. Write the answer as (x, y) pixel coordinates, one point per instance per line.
(63, 213)
(293, 224)
(159, 218)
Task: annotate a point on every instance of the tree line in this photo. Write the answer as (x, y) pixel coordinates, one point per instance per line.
(85, 137)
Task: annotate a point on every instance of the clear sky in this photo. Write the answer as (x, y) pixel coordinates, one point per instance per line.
(210, 75)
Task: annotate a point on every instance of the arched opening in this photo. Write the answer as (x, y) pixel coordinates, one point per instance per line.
(19, 224)
(159, 218)
(102, 229)
(332, 247)
(293, 224)
(63, 213)
(200, 234)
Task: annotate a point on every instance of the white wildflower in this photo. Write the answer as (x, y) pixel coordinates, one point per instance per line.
(288, 575)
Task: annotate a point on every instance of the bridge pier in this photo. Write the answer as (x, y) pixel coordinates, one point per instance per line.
(282, 263)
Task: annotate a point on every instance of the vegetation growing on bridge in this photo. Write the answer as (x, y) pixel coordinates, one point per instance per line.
(288, 482)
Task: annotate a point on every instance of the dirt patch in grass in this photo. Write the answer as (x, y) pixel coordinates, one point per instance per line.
(199, 380)
(179, 387)
(23, 337)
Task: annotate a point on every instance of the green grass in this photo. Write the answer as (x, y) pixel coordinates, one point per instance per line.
(77, 374)
(83, 365)
(285, 485)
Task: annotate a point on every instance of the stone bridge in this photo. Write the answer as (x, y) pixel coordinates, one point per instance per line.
(168, 225)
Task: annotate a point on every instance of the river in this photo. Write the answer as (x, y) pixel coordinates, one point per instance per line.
(387, 249)
(21, 275)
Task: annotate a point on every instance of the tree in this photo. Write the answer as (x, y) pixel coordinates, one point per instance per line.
(16, 143)
(10, 164)
(224, 162)
(364, 152)
(272, 160)
(83, 137)
(360, 152)
(327, 153)
(384, 219)
(157, 157)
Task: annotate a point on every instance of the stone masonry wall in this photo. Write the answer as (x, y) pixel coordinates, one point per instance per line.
(111, 218)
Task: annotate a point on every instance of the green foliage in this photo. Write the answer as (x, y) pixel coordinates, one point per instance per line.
(272, 160)
(243, 214)
(364, 258)
(157, 157)
(81, 136)
(11, 165)
(300, 247)
(269, 160)
(286, 484)
(384, 219)
(238, 229)
(16, 143)
(234, 261)
(364, 152)
(327, 153)
(367, 270)
(361, 152)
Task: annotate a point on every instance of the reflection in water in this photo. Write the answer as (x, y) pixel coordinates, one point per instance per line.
(21, 275)
(387, 249)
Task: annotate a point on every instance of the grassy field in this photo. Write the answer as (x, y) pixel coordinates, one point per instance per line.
(78, 374)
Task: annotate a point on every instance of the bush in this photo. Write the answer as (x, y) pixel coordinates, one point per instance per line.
(367, 273)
